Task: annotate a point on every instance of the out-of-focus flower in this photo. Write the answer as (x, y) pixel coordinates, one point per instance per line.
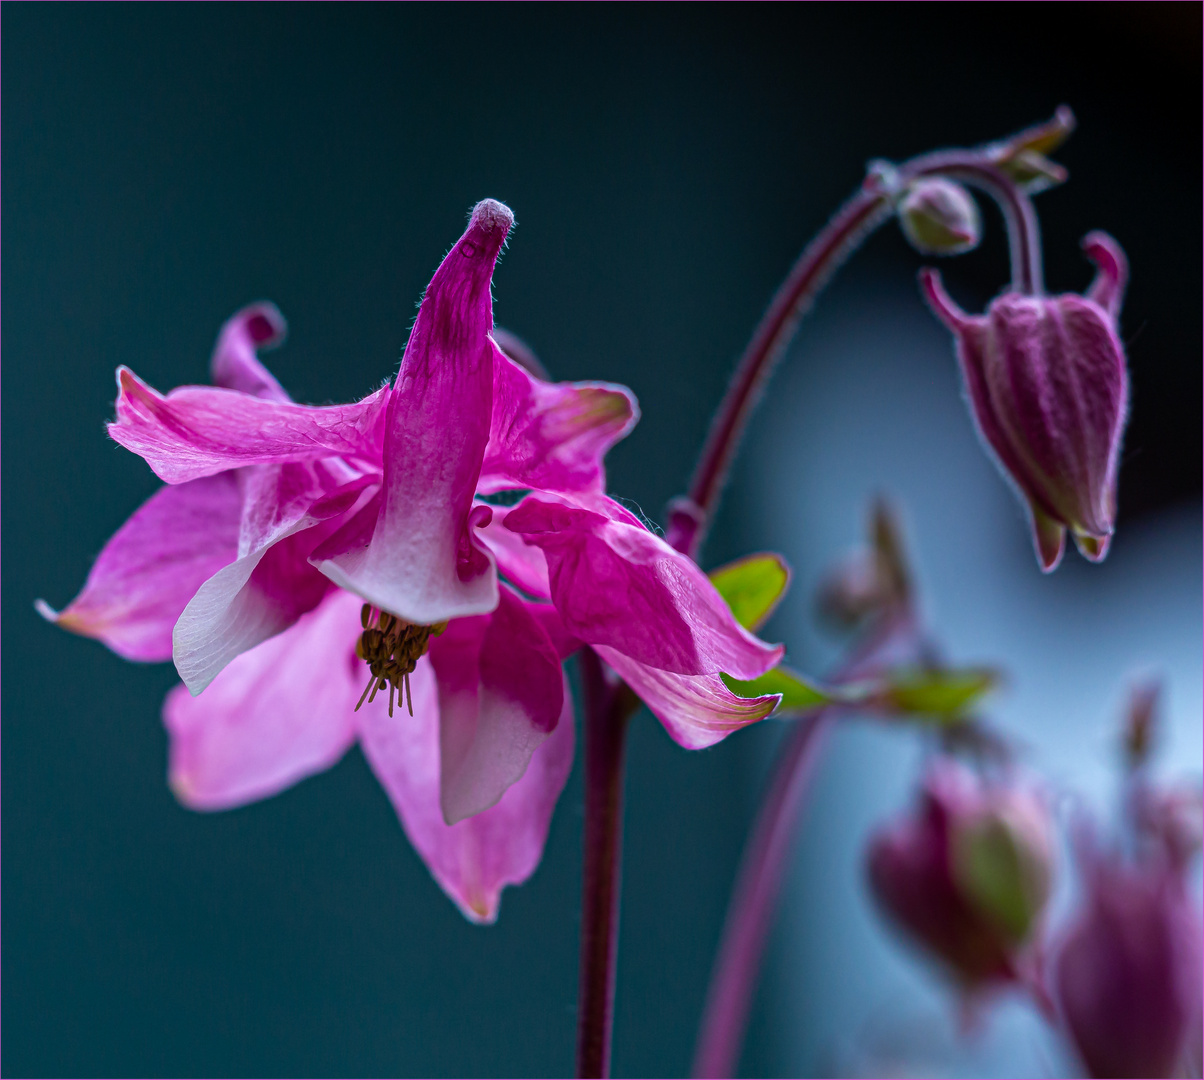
(939, 217)
(968, 874)
(1049, 391)
(1127, 974)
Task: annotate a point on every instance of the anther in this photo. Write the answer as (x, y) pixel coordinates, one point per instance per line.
(391, 648)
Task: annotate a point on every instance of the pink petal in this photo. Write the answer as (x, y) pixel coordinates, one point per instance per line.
(697, 710)
(476, 858)
(200, 430)
(522, 564)
(272, 583)
(276, 714)
(551, 435)
(500, 694)
(423, 562)
(614, 583)
(234, 363)
(153, 566)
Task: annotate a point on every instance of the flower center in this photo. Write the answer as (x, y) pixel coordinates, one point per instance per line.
(391, 647)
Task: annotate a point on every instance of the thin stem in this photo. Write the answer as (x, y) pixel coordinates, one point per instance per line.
(690, 517)
(754, 899)
(1024, 234)
(856, 219)
(608, 704)
(896, 639)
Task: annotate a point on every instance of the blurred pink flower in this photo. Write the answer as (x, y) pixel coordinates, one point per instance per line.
(968, 874)
(1049, 391)
(1127, 970)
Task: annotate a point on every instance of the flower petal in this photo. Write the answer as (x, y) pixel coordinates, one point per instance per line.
(201, 430)
(476, 858)
(272, 583)
(696, 710)
(423, 562)
(276, 714)
(500, 694)
(523, 564)
(234, 363)
(551, 435)
(614, 583)
(153, 566)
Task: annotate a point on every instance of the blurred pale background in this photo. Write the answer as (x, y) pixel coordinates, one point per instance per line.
(163, 166)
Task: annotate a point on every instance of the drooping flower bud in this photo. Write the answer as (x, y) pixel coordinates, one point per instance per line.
(968, 874)
(1049, 389)
(940, 217)
(873, 582)
(1127, 973)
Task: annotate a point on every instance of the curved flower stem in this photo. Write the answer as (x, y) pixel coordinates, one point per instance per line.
(608, 704)
(896, 639)
(751, 908)
(848, 229)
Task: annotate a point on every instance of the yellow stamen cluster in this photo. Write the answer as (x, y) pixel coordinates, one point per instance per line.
(391, 648)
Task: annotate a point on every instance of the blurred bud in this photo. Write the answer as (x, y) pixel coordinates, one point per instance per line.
(871, 582)
(940, 217)
(1003, 860)
(1023, 156)
(1140, 724)
(967, 875)
(1127, 973)
(1170, 821)
(1049, 389)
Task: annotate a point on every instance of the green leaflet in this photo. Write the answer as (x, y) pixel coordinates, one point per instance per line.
(945, 694)
(797, 692)
(752, 587)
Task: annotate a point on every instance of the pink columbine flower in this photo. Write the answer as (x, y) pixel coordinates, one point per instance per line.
(1049, 391)
(1127, 970)
(305, 566)
(968, 874)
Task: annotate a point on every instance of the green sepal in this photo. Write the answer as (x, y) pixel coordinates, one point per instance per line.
(752, 587)
(798, 692)
(945, 694)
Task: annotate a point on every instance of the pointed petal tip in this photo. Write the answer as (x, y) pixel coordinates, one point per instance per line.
(46, 611)
(489, 215)
(263, 322)
(1093, 548)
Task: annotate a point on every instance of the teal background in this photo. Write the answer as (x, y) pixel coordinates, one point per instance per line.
(163, 166)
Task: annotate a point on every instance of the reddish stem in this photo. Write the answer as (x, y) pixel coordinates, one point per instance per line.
(895, 640)
(754, 899)
(690, 517)
(608, 704)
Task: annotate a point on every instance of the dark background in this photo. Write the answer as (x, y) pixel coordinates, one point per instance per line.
(165, 165)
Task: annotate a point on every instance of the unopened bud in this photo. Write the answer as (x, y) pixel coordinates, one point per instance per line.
(968, 873)
(1127, 976)
(1049, 389)
(940, 217)
(1003, 859)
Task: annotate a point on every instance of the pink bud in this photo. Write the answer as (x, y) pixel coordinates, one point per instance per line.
(1049, 390)
(968, 874)
(1127, 975)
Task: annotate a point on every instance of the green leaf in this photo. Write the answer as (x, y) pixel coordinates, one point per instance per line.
(798, 692)
(946, 694)
(752, 587)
